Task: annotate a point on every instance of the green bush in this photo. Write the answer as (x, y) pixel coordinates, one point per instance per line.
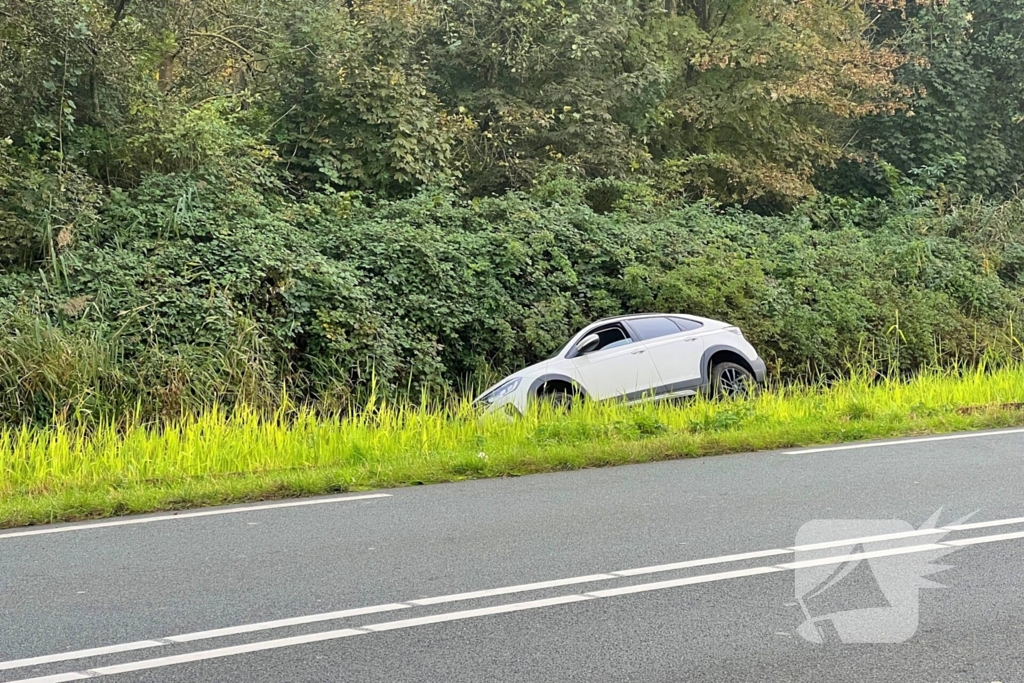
(192, 289)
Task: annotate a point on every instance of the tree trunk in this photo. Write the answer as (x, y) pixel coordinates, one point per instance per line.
(120, 9)
(166, 73)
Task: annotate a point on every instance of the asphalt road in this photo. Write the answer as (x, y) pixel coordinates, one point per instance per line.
(151, 588)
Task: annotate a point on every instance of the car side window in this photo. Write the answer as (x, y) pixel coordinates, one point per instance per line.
(611, 337)
(686, 325)
(652, 328)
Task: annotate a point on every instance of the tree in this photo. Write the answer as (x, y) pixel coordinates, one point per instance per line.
(541, 82)
(759, 93)
(346, 91)
(963, 130)
(735, 99)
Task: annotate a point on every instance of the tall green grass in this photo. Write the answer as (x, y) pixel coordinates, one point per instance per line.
(65, 473)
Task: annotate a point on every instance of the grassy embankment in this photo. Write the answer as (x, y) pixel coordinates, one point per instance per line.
(63, 473)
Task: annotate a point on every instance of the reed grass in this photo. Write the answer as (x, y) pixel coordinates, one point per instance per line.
(63, 473)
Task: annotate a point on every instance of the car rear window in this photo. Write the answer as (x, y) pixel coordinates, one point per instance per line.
(651, 328)
(685, 324)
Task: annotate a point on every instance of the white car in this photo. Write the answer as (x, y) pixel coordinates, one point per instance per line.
(657, 355)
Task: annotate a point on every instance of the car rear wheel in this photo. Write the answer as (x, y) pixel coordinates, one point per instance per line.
(730, 380)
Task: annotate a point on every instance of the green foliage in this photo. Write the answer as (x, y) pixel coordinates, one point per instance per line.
(190, 290)
(757, 94)
(347, 94)
(239, 199)
(728, 98)
(542, 82)
(963, 134)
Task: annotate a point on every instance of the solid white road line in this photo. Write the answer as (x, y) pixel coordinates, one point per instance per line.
(984, 539)
(188, 515)
(283, 623)
(901, 442)
(222, 652)
(700, 563)
(300, 640)
(873, 539)
(470, 613)
(985, 525)
(488, 611)
(839, 559)
(329, 616)
(688, 581)
(201, 635)
(56, 678)
(79, 654)
(541, 585)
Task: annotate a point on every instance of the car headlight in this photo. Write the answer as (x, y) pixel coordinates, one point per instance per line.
(502, 391)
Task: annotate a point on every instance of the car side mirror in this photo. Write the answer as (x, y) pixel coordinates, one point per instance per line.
(587, 344)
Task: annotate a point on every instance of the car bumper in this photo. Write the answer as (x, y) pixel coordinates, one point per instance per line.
(760, 370)
(513, 404)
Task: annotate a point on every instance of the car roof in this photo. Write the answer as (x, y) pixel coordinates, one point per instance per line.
(637, 316)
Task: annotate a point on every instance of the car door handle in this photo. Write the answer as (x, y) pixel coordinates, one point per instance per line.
(633, 353)
(689, 339)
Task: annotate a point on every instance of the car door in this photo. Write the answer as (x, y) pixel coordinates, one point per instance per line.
(676, 346)
(618, 366)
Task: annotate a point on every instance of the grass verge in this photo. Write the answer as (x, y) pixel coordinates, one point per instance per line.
(63, 473)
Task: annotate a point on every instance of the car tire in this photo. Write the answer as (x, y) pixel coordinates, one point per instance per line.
(559, 398)
(731, 380)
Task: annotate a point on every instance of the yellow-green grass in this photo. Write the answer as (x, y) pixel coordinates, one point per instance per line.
(63, 473)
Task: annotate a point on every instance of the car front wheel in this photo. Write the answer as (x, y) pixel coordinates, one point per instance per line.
(730, 380)
(558, 399)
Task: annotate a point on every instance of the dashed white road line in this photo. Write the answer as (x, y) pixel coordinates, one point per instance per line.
(499, 609)
(187, 515)
(487, 611)
(902, 442)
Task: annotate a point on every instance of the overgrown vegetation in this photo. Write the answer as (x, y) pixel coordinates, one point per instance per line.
(232, 201)
(221, 297)
(64, 473)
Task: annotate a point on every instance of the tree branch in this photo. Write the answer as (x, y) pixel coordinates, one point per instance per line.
(210, 34)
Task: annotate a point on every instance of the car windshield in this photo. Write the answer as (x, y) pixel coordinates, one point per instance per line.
(566, 347)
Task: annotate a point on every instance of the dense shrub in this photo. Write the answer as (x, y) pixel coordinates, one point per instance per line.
(187, 290)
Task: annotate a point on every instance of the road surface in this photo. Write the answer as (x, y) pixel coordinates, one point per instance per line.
(675, 571)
